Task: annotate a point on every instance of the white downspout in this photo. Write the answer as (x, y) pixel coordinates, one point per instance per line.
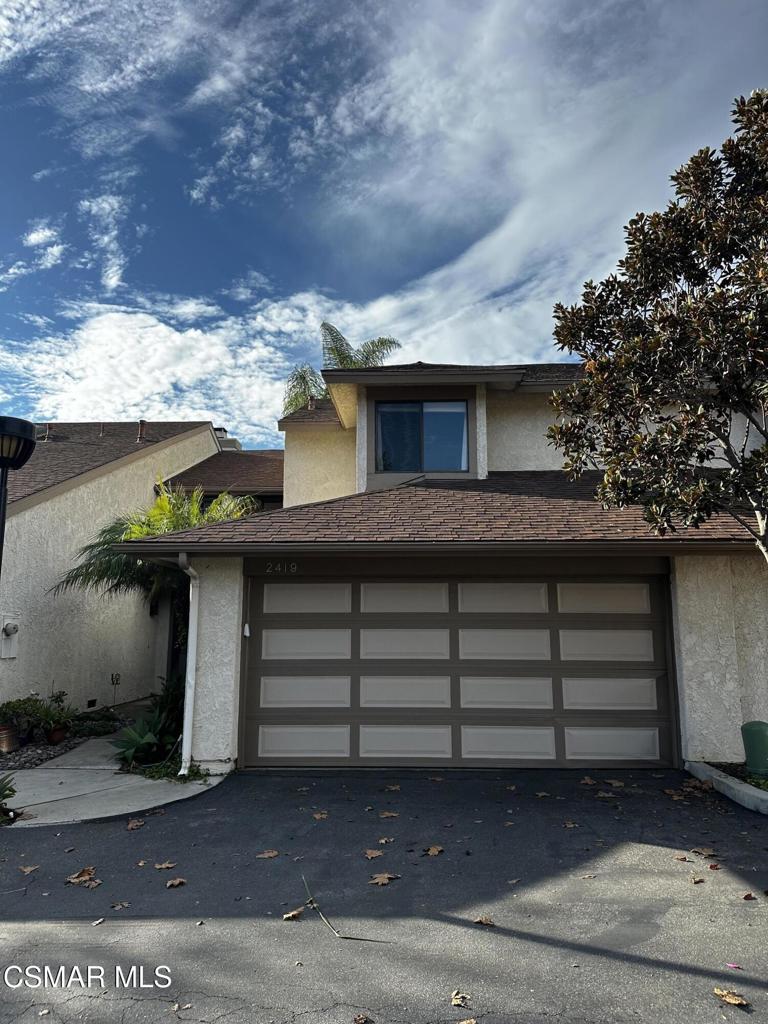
(189, 684)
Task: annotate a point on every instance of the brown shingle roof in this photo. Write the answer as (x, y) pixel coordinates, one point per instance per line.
(323, 412)
(523, 508)
(246, 472)
(77, 448)
(531, 372)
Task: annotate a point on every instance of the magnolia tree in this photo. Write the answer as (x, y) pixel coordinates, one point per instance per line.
(672, 405)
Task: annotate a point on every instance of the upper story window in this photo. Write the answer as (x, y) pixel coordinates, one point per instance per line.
(421, 437)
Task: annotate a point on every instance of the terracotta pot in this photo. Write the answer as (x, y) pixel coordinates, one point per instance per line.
(56, 735)
(9, 740)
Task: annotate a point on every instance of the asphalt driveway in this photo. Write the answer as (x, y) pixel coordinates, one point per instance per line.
(590, 888)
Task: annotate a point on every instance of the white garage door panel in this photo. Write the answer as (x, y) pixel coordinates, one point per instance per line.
(610, 694)
(404, 643)
(405, 741)
(500, 741)
(530, 671)
(305, 691)
(304, 741)
(502, 644)
(303, 644)
(295, 598)
(404, 597)
(605, 598)
(405, 691)
(612, 744)
(502, 597)
(606, 644)
(505, 692)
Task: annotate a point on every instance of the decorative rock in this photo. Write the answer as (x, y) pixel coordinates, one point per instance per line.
(34, 754)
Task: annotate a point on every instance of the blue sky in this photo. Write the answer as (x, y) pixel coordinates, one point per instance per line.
(188, 189)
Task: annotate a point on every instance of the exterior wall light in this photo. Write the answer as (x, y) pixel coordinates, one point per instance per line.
(17, 442)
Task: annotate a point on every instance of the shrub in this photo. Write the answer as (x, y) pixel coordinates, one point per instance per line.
(25, 714)
(147, 741)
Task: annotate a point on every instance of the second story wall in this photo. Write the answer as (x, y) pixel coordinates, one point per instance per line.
(319, 463)
(516, 424)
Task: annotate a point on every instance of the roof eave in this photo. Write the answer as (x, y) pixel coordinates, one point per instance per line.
(652, 546)
(385, 376)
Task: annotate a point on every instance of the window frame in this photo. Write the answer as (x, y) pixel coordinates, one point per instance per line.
(421, 402)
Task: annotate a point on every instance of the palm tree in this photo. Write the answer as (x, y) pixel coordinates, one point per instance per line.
(102, 569)
(305, 385)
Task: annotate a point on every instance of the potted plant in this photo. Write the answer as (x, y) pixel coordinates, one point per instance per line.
(55, 720)
(9, 738)
(23, 714)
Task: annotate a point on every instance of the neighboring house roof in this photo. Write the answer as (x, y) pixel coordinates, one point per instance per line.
(259, 471)
(322, 412)
(527, 510)
(76, 448)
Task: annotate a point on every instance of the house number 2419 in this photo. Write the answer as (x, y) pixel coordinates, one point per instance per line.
(282, 568)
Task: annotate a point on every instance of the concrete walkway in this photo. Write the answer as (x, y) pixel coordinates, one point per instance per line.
(84, 784)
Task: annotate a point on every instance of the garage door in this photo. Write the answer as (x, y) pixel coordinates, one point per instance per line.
(517, 672)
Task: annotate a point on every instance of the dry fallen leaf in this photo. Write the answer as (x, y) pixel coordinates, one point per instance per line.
(121, 905)
(570, 824)
(181, 1006)
(749, 896)
(99, 920)
(683, 858)
(587, 876)
(166, 865)
(729, 996)
(362, 1018)
(134, 823)
(293, 915)
(469, 1020)
(587, 781)
(512, 881)
(383, 878)
(386, 839)
(603, 794)
(487, 921)
(542, 793)
(714, 867)
(435, 778)
(697, 880)
(84, 877)
(27, 869)
(140, 863)
(372, 854)
(394, 788)
(616, 783)
(43, 1013)
(320, 815)
(389, 814)
(433, 851)
(174, 883)
(703, 851)
(508, 824)
(267, 854)
(459, 998)
(512, 788)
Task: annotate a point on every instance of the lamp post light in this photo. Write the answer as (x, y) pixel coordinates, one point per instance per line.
(17, 442)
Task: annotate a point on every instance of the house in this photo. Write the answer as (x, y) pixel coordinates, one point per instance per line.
(79, 478)
(436, 593)
(255, 473)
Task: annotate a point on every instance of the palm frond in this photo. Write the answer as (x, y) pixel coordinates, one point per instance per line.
(100, 568)
(375, 351)
(303, 385)
(337, 351)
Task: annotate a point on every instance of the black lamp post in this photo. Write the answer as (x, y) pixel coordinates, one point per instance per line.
(17, 442)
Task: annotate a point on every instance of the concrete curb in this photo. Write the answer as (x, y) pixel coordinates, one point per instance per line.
(751, 797)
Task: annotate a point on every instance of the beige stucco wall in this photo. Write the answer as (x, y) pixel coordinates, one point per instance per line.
(76, 641)
(217, 688)
(517, 424)
(720, 612)
(319, 464)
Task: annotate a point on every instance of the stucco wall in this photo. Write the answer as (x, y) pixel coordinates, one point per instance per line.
(74, 642)
(217, 690)
(319, 464)
(516, 427)
(720, 609)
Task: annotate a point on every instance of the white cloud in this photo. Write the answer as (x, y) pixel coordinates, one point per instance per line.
(105, 215)
(128, 362)
(41, 232)
(247, 287)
